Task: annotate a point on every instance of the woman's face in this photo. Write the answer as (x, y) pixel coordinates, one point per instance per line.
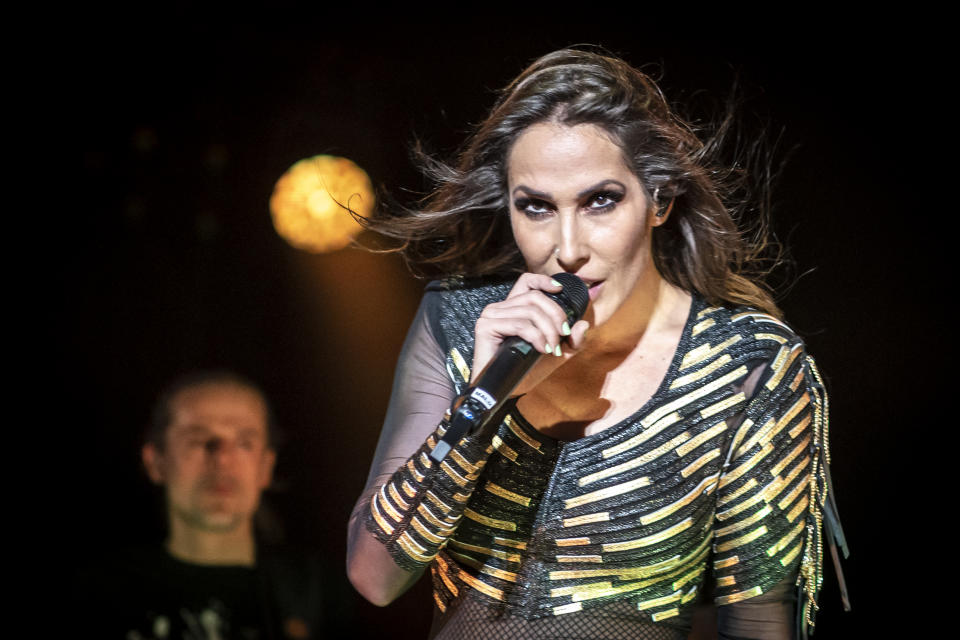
(575, 206)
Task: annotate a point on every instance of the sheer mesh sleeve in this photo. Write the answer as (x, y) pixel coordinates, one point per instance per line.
(421, 393)
(413, 504)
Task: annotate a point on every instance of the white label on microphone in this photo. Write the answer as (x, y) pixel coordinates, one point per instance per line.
(483, 398)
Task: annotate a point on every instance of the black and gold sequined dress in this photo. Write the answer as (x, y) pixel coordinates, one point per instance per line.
(612, 535)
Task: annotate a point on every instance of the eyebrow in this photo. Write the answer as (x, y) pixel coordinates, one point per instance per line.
(585, 192)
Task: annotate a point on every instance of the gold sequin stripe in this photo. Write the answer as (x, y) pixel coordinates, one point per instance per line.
(458, 479)
(392, 490)
(738, 597)
(504, 449)
(493, 553)
(494, 523)
(732, 476)
(785, 541)
(603, 516)
(756, 498)
(701, 373)
(429, 516)
(573, 607)
(462, 368)
(775, 488)
(481, 586)
(796, 380)
(601, 494)
(412, 467)
(574, 558)
(384, 504)
(443, 569)
(770, 336)
(382, 522)
(572, 542)
(506, 494)
(415, 550)
(723, 405)
(758, 317)
(702, 326)
(791, 456)
(746, 522)
(659, 602)
(694, 466)
(784, 366)
(646, 541)
(705, 351)
(425, 533)
(437, 502)
(439, 602)
(738, 437)
(521, 434)
(791, 555)
(468, 467)
(706, 487)
(772, 428)
(702, 438)
(742, 540)
(797, 490)
(509, 542)
(483, 567)
(799, 508)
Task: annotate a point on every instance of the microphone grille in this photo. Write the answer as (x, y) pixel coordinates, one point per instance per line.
(574, 297)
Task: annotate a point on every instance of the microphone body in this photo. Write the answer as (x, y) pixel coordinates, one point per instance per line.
(514, 358)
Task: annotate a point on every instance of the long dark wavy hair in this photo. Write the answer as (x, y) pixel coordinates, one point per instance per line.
(463, 227)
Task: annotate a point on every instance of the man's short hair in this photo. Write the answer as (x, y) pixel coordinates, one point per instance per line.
(162, 414)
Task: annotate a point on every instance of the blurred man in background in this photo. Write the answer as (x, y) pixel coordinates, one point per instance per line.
(211, 447)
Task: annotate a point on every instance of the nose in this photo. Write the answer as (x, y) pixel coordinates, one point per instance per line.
(220, 451)
(572, 250)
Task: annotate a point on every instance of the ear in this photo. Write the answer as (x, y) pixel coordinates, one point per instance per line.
(661, 214)
(267, 463)
(152, 462)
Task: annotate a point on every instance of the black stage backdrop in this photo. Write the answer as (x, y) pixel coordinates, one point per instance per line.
(175, 135)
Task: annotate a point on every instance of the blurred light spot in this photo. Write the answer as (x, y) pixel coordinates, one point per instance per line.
(308, 203)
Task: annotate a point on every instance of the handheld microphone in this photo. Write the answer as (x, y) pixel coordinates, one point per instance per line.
(514, 358)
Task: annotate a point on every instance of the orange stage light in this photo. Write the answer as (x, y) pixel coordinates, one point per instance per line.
(308, 203)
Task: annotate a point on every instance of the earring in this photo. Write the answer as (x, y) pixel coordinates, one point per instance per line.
(662, 211)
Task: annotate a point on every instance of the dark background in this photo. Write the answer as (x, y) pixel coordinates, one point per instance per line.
(175, 136)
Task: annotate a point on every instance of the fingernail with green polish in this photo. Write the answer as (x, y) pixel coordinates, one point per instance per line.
(557, 351)
(555, 283)
(548, 349)
(565, 329)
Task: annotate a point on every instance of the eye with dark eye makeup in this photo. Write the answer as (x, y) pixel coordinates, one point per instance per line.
(532, 207)
(604, 200)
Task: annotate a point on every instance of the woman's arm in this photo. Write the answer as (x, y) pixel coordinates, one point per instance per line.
(422, 392)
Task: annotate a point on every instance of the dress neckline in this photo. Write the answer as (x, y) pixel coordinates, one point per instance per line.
(697, 304)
